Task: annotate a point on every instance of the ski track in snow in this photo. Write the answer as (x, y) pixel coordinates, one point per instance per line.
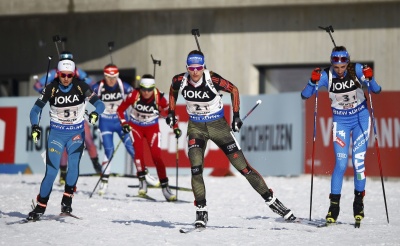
(237, 214)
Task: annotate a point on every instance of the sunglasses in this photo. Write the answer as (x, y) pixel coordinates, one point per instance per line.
(342, 59)
(198, 68)
(146, 89)
(63, 75)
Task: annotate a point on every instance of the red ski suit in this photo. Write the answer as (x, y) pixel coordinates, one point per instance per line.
(143, 119)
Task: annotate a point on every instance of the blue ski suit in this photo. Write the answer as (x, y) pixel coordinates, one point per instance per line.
(109, 121)
(351, 119)
(67, 110)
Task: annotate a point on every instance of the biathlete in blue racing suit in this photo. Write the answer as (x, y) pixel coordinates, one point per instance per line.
(89, 143)
(112, 91)
(66, 96)
(351, 119)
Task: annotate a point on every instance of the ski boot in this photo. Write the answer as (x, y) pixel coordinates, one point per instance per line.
(277, 206)
(334, 208)
(169, 196)
(39, 209)
(103, 185)
(63, 175)
(151, 181)
(142, 183)
(66, 202)
(201, 215)
(96, 165)
(358, 207)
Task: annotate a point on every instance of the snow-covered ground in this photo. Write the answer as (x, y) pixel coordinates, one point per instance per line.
(237, 214)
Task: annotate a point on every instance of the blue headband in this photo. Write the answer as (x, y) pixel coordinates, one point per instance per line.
(195, 59)
(340, 54)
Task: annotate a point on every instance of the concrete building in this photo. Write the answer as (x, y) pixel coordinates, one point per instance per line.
(262, 46)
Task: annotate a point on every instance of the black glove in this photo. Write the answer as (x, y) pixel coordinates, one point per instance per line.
(177, 132)
(236, 122)
(36, 133)
(126, 128)
(171, 119)
(93, 117)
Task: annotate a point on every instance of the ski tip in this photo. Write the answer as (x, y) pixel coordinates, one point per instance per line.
(24, 221)
(192, 229)
(70, 215)
(147, 197)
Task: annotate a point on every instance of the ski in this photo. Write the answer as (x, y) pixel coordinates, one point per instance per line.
(147, 197)
(318, 224)
(23, 221)
(26, 221)
(70, 215)
(46, 217)
(304, 221)
(192, 229)
(171, 186)
(111, 175)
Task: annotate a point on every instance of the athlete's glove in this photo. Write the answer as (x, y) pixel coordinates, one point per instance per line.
(177, 132)
(315, 75)
(171, 119)
(126, 128)
(236, 122)
(36, 133)
(368, 73)
(93, 117)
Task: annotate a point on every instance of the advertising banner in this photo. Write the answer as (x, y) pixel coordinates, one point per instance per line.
(8, 118)
(387, 120)
(271, 137)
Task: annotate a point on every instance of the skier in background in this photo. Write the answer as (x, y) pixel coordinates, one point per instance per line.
(112, 91)
(351, 119)
(147, 103)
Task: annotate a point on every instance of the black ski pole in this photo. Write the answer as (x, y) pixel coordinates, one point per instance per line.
(377, 148)
(48, 69)
(313, 148)
(176, 156)
(102, 174)
(177, 165)
(47, 76)
(252, 109)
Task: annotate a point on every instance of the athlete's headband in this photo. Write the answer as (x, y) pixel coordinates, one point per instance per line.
(339, 57)
(195, 59)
